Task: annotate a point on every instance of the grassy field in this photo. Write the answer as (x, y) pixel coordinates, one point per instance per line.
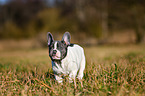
(110, 70)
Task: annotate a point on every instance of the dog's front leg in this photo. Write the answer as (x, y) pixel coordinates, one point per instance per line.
(72, 76)
(58, 78)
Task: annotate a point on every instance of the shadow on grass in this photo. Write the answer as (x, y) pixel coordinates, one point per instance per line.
(50, 74)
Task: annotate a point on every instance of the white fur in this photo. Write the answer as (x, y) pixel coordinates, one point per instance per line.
(73, 62)
(55, 46)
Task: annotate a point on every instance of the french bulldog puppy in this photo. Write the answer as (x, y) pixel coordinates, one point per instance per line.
(67, 59)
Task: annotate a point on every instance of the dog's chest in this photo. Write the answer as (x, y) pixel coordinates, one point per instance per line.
(60, 68)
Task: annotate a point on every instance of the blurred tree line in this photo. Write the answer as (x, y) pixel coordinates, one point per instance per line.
(97, 18)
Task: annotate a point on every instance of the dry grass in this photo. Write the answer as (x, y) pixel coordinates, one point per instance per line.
(110, 70)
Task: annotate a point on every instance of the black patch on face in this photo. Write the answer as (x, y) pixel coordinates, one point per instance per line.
(62, 47)
(51, 50)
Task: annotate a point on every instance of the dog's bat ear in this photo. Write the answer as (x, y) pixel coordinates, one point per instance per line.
(49, 38)
(66, 38)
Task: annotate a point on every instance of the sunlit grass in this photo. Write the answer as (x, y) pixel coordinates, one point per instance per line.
(109, 71)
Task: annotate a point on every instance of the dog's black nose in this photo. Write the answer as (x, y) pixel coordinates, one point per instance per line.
(54, 51)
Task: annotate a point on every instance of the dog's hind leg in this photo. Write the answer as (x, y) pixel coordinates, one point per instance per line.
(81, 70)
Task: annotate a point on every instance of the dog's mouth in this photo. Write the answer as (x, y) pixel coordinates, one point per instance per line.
(55, 57)
(55, 54)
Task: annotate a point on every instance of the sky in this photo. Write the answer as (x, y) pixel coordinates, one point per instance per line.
(3, 2)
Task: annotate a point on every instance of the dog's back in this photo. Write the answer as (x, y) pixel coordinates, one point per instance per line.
(75, 60)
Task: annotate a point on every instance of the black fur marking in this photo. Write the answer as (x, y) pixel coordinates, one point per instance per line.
(63, 48)
(71, 45)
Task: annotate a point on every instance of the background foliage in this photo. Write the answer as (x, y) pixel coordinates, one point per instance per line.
(95, 18)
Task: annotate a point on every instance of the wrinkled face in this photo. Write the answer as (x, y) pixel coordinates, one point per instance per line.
(57, 50)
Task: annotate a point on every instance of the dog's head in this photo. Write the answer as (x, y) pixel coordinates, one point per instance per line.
(58, 49)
